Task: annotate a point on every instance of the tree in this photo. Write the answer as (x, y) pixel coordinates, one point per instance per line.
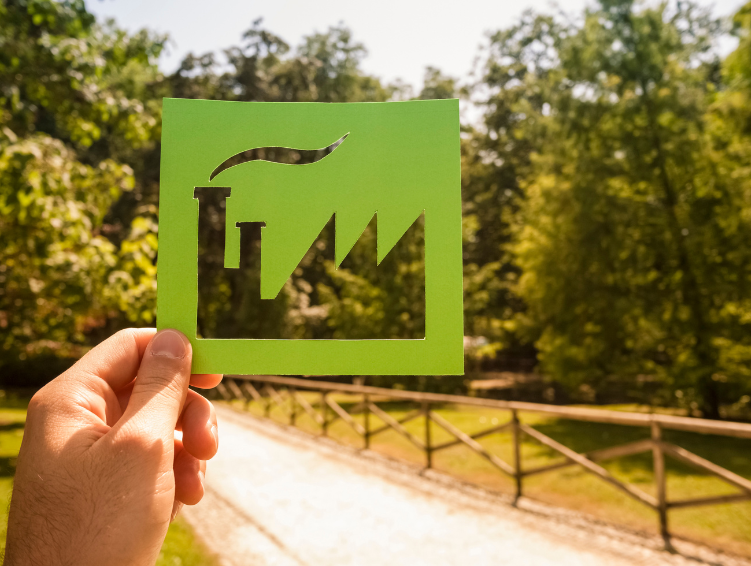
(437, 86)
(513, 91)
(728, 124)
(73, 112)
(629, 242)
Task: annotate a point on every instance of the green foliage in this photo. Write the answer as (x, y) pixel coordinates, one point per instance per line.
(513, 92)
(632, 238)
(73, 113)
(737, 66)
(437, 86)
(324, 68)
(54, 265)
(63, 74)
(389, 298)
(606, 199)
(606, 194)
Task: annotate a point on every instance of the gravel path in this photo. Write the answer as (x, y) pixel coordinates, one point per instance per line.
(279, 497)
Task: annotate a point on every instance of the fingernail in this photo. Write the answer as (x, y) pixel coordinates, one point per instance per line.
(201, 478)
(169, 344)
(215, 434)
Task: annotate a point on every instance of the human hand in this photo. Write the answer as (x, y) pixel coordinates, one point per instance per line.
(100, 473)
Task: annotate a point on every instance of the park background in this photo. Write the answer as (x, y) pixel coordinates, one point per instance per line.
(606, 185)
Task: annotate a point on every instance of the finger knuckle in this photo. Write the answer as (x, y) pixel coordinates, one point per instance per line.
(163, 380)
(42, 401)
(135, 439)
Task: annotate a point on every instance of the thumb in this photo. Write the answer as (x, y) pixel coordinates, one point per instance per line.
(161, 385)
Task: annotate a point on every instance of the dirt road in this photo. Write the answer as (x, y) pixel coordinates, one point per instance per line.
(279, 497)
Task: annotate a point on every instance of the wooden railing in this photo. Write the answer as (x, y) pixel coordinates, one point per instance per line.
(282, 391)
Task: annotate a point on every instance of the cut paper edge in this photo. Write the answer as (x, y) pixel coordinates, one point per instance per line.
(348, 229)
(309, 156)
(389, 233)
(270, 288)
(280, 256)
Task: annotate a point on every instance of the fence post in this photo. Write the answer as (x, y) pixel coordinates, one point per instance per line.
(428, 448)
(293, 407)
(267, 407)
(366, 417)
(325, 413)
(517, 453)
(658, 459)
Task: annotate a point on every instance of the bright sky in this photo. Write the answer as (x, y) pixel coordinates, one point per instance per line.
(402, 36)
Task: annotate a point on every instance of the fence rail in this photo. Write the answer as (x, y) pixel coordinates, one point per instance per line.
(281, 391)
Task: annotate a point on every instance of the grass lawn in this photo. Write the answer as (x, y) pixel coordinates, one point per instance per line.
(180, 547)
(725, 526)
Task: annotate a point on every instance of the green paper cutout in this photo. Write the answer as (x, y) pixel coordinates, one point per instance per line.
(391, 160)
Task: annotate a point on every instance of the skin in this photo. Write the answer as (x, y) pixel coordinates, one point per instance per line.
(100, 473)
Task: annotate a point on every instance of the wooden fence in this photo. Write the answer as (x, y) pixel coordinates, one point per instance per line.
(283, 391)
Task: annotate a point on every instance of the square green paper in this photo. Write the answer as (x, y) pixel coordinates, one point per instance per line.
(399, 160)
